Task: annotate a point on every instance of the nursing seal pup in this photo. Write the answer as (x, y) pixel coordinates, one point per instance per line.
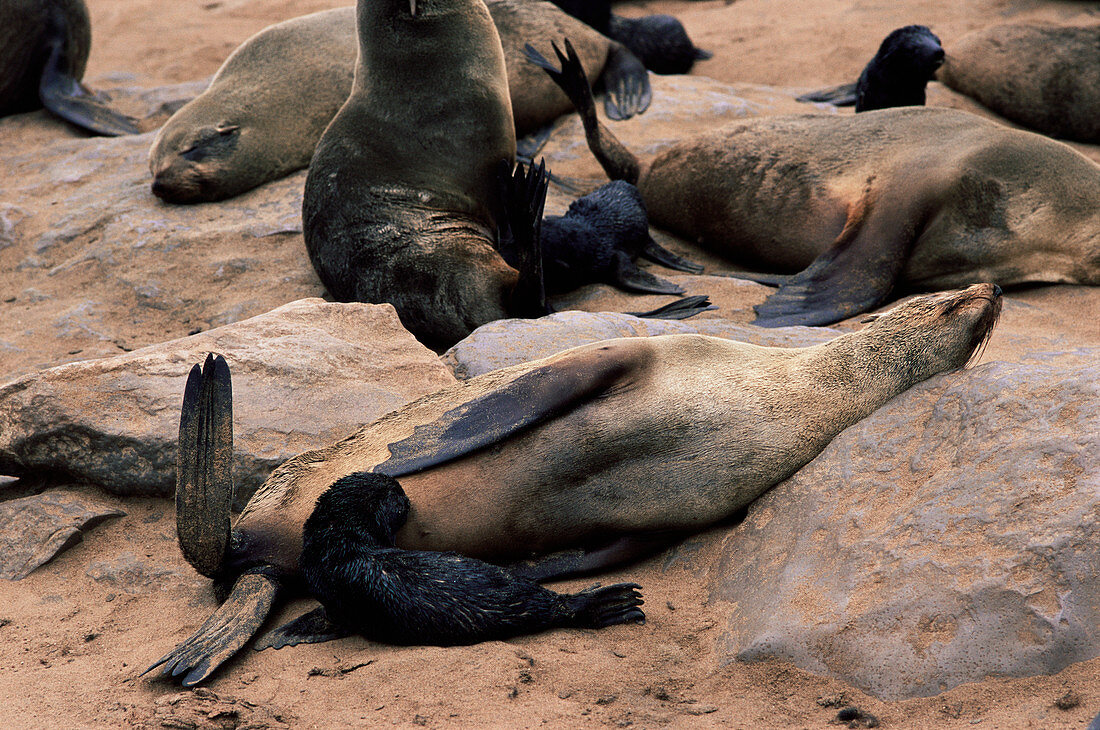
(271, 100)
(604, 451)
(1045, 77)
(865, 205)
(44, 47)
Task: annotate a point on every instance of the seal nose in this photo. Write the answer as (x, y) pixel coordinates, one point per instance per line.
(996, 290)
(160, 189)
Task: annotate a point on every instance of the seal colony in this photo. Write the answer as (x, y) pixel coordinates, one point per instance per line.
(861, 206)
(44, 46)
(269, 103)
(661, 457)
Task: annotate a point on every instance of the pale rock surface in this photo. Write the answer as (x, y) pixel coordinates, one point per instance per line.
(948, 537)
(304, 375)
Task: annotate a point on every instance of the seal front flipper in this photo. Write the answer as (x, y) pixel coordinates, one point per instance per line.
(313, 627)
(420, 597)
(617, 161)
(658, 254)
(65, 96)
(536, 396)
(856, 274)
(626, 82)
(628, 276)
(843, 95)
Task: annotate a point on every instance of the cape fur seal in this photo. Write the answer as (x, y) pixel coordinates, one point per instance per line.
(897, 75)
(1046, 78)
(609, 447)
(271, 100)
(44, 47)
(909, 198)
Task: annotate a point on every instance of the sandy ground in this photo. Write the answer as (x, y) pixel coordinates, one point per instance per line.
(74, 635)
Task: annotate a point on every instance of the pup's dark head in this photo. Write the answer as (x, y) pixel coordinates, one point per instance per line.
(906, 61)
(370, 505)
(659, 41)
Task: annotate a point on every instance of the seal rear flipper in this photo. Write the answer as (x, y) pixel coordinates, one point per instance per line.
(658, 254)
(680, 309)
(224, 633)
(626, 82)
(313, 627)
(66, 97)
(536, 396)
(616, 160)
(843, 95)
(204, 466)
(524, 202)
(856, 274)
(761, 277)
(628, 276)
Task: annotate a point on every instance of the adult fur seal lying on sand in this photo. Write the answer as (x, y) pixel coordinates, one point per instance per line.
(679, 432)
(907, 199)
(270, 101)
(1046, 78)
(44, 47)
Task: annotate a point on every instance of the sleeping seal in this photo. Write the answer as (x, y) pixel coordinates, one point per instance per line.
(1046, 78)
(44, 47)
(271, 100)
(909, 199)
(897, 75)
(608, 450)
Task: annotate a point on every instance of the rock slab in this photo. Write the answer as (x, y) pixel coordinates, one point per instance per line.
(304, 375)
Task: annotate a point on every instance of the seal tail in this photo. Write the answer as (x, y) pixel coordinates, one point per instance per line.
(617, 161)
(204, 466)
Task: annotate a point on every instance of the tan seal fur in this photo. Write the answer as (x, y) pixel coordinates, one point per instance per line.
(271, 100)
(1046, 78)
(908, 198)
(674, 433)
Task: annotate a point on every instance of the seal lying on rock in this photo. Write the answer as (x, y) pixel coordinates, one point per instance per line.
(271, 100)
(609, 449)
(44, 47)
(897, 75)
(1046, 78)
(910, 198)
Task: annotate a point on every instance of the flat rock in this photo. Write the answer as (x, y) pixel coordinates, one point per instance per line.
(948, 537)
(512, 341)
(34, 529)
(304, 375)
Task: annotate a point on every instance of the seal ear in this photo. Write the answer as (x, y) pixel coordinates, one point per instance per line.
(204, 466)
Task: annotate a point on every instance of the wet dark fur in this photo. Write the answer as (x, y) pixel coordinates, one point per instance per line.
(659, 41)
(418, 597)
(898, 74)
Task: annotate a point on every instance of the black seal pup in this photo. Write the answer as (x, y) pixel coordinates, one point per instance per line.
(679, 432)
(897, 75)
(862, 205)
(44, 47)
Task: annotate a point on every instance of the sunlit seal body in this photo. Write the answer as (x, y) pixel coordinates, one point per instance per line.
(271, 100)
(908, 199)
(44, 47)
(600, 447)
(1046, 78)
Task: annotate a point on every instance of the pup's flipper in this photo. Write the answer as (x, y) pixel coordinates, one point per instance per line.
(843, 95)
(658, 254)
(628, 276)
(313, 627)
(680, 309)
